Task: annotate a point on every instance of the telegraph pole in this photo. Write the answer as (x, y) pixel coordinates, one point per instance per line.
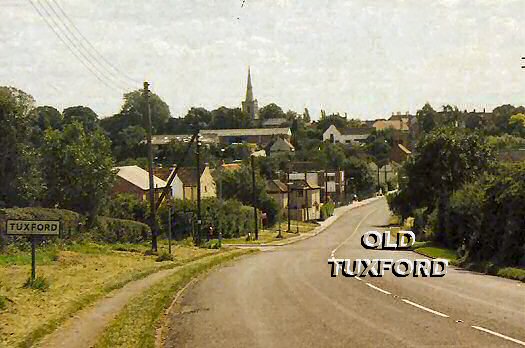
(153, 210)
(199, 216)
(288, 197)
(254, 194)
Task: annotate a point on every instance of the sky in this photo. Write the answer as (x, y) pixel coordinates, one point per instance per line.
(360, 57)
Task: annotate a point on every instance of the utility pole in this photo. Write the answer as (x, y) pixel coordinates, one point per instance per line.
(254, 194)
(386, 181)
(325, 186)
(378, 184)
(169, 228)
(199, 216)
(307, 214)
(153, 210)
(288, 196)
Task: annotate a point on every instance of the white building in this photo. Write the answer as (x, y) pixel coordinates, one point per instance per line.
(352, 136)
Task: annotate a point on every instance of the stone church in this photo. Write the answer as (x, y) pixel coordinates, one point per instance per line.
(250, 105)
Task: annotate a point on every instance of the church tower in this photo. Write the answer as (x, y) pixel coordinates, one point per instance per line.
(250, 105)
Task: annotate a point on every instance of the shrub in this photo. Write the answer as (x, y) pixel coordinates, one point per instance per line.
(164, 257)
(40, 283)
(112, 230)
(327, 210)
(212, 244)
(128, 206)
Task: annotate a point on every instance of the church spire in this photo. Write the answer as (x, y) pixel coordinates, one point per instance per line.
(249, 91)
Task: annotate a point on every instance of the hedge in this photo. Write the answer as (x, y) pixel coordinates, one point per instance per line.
(106, 229)
(111, 230)
(230, 217)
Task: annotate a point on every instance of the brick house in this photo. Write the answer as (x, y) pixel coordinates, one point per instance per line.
(135, 180)
(305, 201)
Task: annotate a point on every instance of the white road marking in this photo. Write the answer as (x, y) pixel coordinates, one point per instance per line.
(379, 289)
(425, 308)
(351, 234)
(499, 335)
(356, 277)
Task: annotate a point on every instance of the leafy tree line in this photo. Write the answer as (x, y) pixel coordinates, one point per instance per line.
(461, 197)
(52, 159)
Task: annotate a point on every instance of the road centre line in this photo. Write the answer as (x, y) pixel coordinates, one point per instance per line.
(351, 234)
(332, 255)
(425, 308)
(498, 334)
(378, 289)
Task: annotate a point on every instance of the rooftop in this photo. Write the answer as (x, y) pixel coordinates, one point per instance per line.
(138, 177)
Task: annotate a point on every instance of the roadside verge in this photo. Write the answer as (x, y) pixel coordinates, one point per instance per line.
(87, 326)
(338, 212)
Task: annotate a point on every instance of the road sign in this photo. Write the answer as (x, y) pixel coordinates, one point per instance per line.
(33, 227)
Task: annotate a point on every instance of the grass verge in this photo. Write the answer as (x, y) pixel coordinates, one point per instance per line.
(432, 250)
(270, 235)
(135, 325)
(78, 276)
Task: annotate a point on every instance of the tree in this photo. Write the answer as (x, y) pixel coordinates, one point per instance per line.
(338, 121)
(48, 117)
(426, 118)
(379, 144)
(20, 179)
(306, 116)
(84, 115)
(198, 117)
(134, 108)
(238, 185)
(358, 176)
(129, 143)
(271, 110)
(443, 161)
(77, 168)
(226, 118)
(517, 124)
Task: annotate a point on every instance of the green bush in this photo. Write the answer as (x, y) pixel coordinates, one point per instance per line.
(40, 283)
(327, 210)
(212, 244)
(164, 257)
(111, 230)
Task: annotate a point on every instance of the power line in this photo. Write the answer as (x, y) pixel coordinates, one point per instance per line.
(64, 38)
(98, 56)
(85, 53)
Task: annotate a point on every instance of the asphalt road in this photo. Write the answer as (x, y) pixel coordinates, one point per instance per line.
(286, 298)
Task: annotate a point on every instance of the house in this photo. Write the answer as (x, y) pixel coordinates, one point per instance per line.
(279, 192)
(305, 201)
(385, 173)
(354, 136)
(177, 190)
(188, 177)
(332, 183)
(281, 146)
(399, 153)
(135, 180)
